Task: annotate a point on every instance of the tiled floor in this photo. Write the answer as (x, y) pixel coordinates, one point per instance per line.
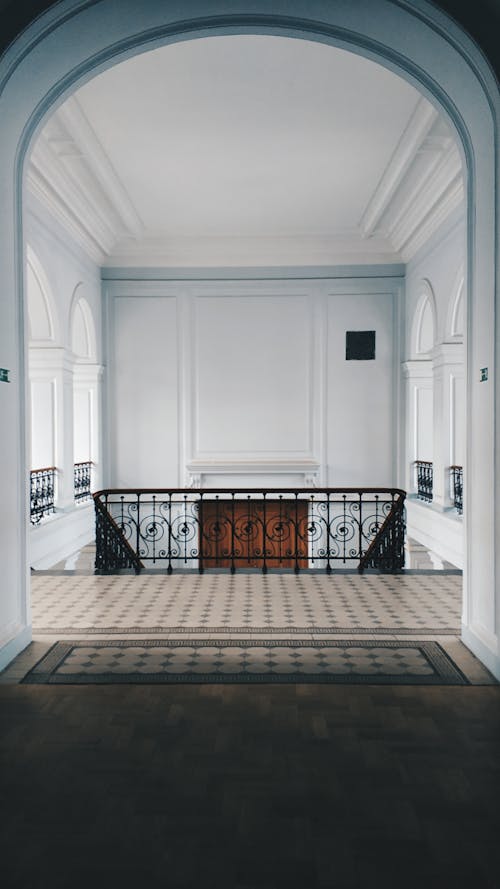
(225, 603)
(77, 605)
(265, 660)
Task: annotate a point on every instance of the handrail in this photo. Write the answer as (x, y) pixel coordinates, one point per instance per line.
(286, 528)
(211, 492)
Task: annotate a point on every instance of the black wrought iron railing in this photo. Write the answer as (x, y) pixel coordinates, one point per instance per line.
(250, 528)
(423, 480)
(42, 493)
(82, 481)
(457, 487)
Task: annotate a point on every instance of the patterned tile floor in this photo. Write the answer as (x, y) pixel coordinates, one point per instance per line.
(70, 602)
(227, 660)
(243, 603)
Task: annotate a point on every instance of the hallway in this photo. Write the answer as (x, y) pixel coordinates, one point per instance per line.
(256, 787)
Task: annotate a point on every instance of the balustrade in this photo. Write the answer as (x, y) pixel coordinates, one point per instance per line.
(424, 477)
(250, 528)
(456, 486)
(42, 493)
(82, 481)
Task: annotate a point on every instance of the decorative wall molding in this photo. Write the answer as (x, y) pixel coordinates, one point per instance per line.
(307, 470)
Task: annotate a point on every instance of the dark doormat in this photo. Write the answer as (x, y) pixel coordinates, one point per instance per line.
(373, 662)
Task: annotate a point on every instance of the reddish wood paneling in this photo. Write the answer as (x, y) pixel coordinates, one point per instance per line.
(241, 527)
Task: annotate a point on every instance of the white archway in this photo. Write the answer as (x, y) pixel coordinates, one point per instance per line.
(73, 41)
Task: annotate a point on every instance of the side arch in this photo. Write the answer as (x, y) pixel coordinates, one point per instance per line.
(456, 320)
(424, 324)
(43, 320)
(82, 334)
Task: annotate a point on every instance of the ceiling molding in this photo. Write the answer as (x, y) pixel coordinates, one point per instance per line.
(310, 250)
(82, 134)
(429, 203)
(422, 184)
(418, 127)
(64, 211)
(71, 174)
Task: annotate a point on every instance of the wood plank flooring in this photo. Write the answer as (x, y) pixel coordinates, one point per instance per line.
(257, 787)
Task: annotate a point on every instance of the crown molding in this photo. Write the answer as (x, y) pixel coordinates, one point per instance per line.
(420, 187)
(429, 204)
(214, 252)
(78, 127)
(65, 198)
(416, 130)
(70, 173)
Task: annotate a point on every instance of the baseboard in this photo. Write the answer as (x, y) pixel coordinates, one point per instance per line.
(14, 646)
(486, 654)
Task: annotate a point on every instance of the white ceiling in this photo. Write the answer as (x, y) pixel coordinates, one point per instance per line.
(248, 135)
(280, 146)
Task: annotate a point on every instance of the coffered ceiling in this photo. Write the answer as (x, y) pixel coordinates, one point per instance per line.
(247, 150)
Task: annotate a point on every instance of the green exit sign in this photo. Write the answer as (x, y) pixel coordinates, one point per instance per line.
(4, 375)
(483, 374)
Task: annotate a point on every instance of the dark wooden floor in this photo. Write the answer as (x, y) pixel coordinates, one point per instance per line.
(253, 787)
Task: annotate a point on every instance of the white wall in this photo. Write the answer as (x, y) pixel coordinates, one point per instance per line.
(435, 384)
(246, 382)
(64, 359)
(143, 402)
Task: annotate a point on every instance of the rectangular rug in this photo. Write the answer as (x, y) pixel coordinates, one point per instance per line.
(373, 662)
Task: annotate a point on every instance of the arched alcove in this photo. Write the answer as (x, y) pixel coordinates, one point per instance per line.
(42, 317)
(456, 313)
(75, 40)
(424, 322)
(82, 327)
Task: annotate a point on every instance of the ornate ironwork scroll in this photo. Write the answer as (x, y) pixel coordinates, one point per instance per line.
(386, 551)
(82, 481)
(283, 528)
(113, 552)
(457, 487)
(42, 493)
(424, 480)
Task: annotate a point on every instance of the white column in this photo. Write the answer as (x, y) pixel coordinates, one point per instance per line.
(448, 382)
(87, 382)
(54, 365)
(418, 400)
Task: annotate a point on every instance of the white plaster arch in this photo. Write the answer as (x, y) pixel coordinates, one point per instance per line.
(456, 320)
(424, 325)
(82, 336)
(42, 320)
(75, 39)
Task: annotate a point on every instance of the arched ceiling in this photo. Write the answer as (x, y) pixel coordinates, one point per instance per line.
(238, 149)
